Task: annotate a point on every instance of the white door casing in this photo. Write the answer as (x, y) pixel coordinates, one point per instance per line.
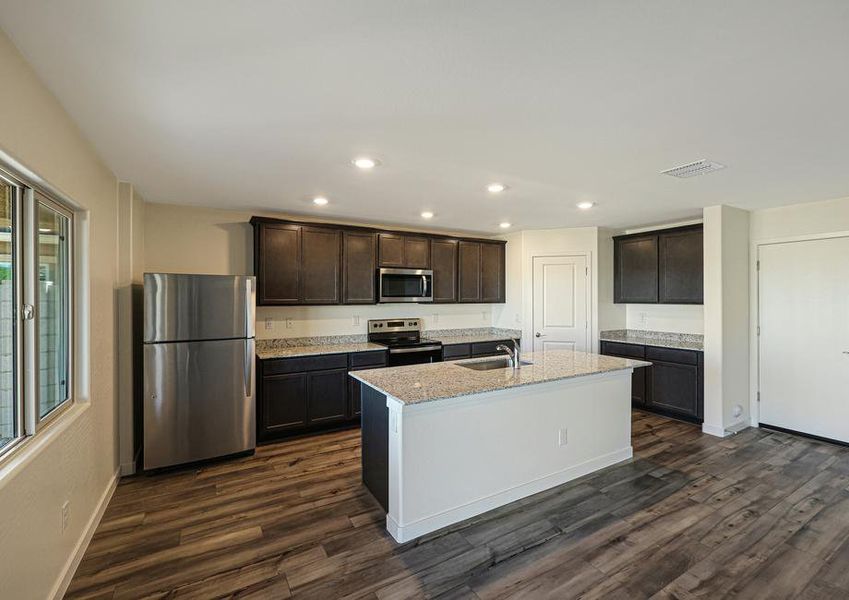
(560, 303)
(803, 346)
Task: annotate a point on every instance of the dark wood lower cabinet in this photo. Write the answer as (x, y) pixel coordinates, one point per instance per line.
(310, 394)
(673, 385)
(327, 398)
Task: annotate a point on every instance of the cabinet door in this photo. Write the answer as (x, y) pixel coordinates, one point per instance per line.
(681, 267)
(416, 252)
(638, 386)
(328, 396)
(284, 402)
(359, 267)
(492, 272)
(443, 260)
(469, 272)
(391, 248)
(674, 387)
(320, 268)
(635, 269)
(278, 263)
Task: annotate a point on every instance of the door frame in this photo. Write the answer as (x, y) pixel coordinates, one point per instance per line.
(589, 293)
(755, 309)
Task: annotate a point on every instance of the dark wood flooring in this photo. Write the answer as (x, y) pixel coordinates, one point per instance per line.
(758, 515)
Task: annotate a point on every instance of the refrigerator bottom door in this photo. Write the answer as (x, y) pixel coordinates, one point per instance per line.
(198, 401)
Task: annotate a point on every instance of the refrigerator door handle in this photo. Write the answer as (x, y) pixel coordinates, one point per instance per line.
(248, 369)
(249, 322)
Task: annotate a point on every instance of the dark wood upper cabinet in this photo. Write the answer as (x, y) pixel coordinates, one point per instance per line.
(317, 263)
(443, 262)
(659, 267)
(635, 269)
(469, 272)
(416, 252)
(359, 265)
(492, 272)
(681, 272)
(320, 265)
(405, 251)
(391, 250)
(277, 256)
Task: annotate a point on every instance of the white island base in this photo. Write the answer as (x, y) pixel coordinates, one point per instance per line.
(449, 460)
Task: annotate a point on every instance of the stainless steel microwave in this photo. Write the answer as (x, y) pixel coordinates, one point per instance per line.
(405, 285)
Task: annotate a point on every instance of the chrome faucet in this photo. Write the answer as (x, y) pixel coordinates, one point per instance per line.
(514, 354)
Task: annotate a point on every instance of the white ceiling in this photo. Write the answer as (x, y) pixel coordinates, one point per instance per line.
(262, 104)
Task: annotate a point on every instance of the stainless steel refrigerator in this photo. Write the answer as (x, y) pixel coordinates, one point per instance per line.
(198, 367)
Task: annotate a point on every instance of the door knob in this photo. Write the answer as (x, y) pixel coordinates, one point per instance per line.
(539, 334)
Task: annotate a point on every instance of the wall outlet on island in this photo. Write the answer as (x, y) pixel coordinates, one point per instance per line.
(562, 437)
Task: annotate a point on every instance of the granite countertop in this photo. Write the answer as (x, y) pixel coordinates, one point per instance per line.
(312, 346)
(661, 339)
(471, 336)
(337, 344)
(415, 384)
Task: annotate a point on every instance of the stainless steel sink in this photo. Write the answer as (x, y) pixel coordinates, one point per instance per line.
(495, 363)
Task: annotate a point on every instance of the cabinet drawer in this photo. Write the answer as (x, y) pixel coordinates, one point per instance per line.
(625, 350)
(485, 348)
(455, 351)
(279, 366)
(375, 358)
(684, 357)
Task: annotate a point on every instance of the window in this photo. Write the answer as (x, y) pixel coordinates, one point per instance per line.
(36, 292)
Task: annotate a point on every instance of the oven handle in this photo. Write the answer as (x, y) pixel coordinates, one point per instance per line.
(408, 350)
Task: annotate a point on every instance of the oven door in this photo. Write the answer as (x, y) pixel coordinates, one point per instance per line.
(414, 355)
(405, 285)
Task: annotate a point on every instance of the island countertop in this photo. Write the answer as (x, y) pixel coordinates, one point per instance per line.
(415, 384)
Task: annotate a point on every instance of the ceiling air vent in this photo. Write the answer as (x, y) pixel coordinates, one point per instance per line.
(694, 168)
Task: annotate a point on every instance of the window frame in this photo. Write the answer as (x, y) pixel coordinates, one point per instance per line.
(25, 202)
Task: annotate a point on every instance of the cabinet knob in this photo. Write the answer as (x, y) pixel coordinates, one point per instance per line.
(539, 334)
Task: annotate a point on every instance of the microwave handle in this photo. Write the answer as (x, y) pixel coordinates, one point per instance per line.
(424, 286)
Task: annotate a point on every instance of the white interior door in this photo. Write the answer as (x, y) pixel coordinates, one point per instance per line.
(560, 303)
(804, 338)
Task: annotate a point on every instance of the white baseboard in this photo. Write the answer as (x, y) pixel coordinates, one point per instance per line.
(421, 527)
(64, 580)
(713, 430)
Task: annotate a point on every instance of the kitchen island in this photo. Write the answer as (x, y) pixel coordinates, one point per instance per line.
(443, 442)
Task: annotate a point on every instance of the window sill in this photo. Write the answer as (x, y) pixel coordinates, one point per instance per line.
(27, 450)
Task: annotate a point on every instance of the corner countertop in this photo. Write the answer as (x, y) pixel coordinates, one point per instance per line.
(416, 384)
(660, 339)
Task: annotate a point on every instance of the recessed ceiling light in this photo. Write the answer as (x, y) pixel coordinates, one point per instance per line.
(365, 163)
(504, 225)
(585, 205)
(320, 201)
(427, 215)
(496, 188)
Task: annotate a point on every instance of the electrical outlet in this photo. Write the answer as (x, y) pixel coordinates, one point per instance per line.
(644, 317)
(355, 319)
(66, 514)
(288, 322)
(562, 437)
(435, 319)
(269, 324)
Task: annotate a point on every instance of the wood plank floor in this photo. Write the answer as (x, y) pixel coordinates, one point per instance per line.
(758, 515)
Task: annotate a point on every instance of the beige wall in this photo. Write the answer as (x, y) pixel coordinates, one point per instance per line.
(75, 458)
(184, 239)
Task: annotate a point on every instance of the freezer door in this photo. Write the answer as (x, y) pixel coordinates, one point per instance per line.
(179, 308)
(198, 401)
